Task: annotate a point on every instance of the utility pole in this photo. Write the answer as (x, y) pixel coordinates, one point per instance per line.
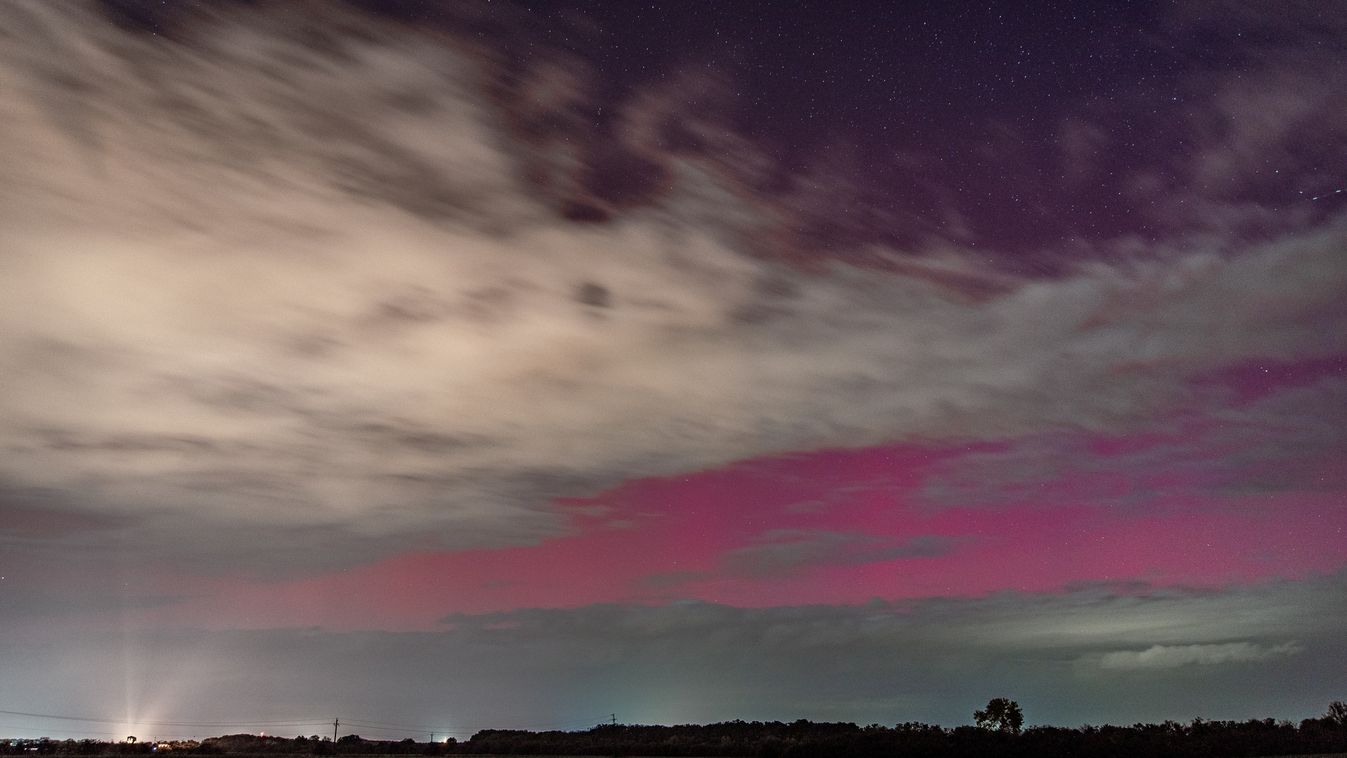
(335, 724)
(432, 736)
(614, 715)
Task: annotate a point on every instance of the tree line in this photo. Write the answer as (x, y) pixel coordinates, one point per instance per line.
(999, 733)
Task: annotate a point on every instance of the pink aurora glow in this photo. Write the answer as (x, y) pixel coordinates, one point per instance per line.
(847, 526)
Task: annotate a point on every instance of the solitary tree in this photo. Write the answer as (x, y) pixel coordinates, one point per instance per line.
(1001, 713)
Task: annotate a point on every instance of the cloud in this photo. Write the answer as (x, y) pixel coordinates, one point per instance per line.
(1173, 656)
(1283, 442)
(787, 550)
(241, 318)
(933, 660)
(779, 554)
(1226, 145)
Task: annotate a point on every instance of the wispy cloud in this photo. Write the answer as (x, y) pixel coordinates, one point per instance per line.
(378, 329)
(1173, 656)
(785, 550)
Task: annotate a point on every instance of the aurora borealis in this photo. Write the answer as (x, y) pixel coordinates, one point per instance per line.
(481, 365)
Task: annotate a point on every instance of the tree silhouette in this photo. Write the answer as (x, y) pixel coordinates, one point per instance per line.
(1337, 713)
(1002, 714)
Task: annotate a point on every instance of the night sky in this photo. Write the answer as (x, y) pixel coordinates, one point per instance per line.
(455, 366)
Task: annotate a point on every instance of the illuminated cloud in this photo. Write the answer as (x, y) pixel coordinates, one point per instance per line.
(231, 308)
(1172, 656)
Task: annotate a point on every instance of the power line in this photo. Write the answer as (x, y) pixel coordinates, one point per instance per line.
(8, 727)
(133, 722)
(90, 733)
(434, 728)
(400, 730)
(362, 724)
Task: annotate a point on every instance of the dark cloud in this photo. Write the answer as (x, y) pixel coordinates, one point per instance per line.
(1283, 442)
(27, 513)
(56, 608)
(1066, 658)
(783, 551)
(594, 294)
